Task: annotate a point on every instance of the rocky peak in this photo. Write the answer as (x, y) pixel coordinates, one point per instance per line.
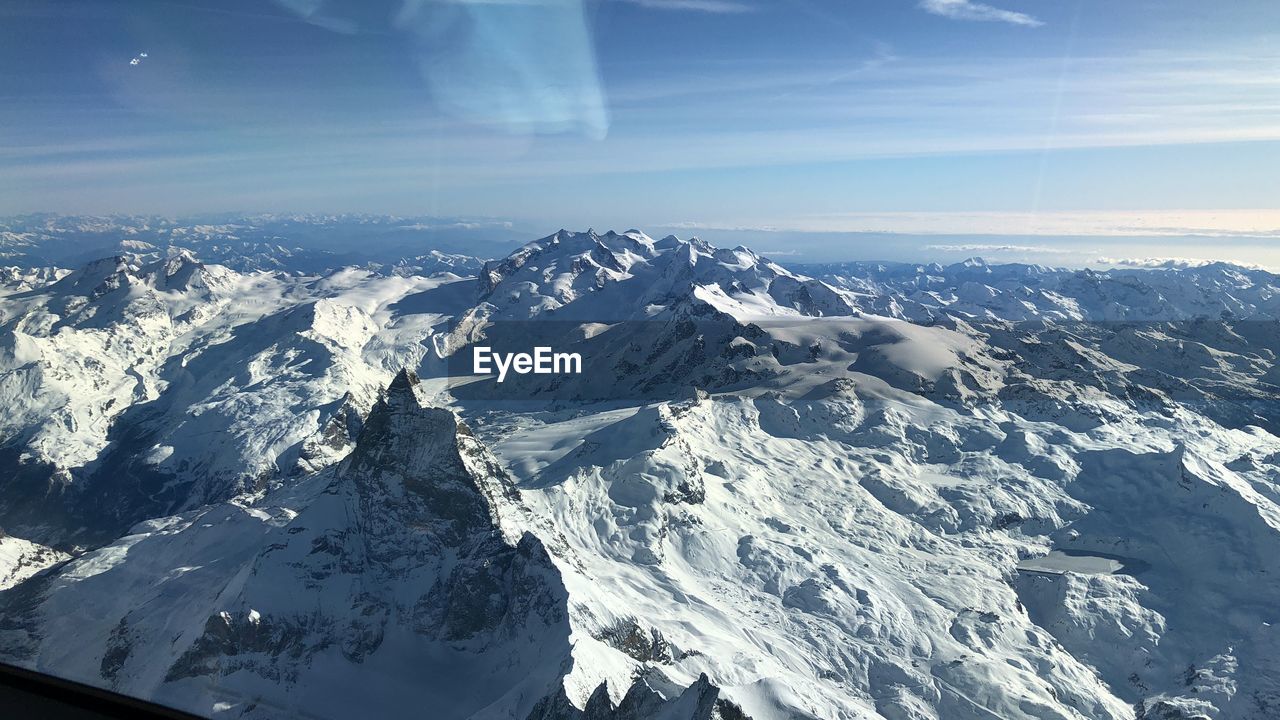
(98, 277)
(699, 701)
(179, 271)
(404, 381)
(424, 464)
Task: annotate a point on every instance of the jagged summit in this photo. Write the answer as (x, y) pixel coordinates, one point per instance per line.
(404, 381)
(700, 701)
(628, 276)
(179, 270)
(391, 570)
(423, 454)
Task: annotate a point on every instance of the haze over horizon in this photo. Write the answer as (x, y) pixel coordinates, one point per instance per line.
(1058, 133)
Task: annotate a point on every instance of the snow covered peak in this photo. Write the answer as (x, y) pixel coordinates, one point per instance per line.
(633, 241)
(389, 572)
(179, 271)
(628, 276)
(423, 454)
(99, 277)
(1018, 292)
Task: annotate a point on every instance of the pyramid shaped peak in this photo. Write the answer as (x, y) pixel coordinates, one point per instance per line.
(404, 380)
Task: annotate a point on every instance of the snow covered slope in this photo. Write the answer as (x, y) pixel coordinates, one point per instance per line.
(397, 571)
(978, 290)
(399, 552)
(141, 389)
(630, 276)
(956, 492)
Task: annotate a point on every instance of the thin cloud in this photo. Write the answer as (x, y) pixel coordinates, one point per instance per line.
(1042, 249)
(1164, 263)
(968, 10)
(717, 7)
(1200, 231)
(461, 225)
(725, 227)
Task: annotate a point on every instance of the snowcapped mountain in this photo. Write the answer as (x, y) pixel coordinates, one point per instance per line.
(412, 572)
(400, 551)
(144, 387)
(631, 276)
(856, 491)
(977, 290)
(282, 243)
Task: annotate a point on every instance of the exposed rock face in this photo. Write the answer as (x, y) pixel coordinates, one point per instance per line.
(699, 701)
(143, 387)
(396, 571)
(336, 439)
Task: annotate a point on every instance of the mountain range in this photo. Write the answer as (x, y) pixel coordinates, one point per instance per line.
(260, 486)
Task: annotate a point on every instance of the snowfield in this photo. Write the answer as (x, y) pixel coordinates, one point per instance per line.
(839, 492)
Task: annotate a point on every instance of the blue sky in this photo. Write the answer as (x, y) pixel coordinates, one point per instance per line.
(1122, 122)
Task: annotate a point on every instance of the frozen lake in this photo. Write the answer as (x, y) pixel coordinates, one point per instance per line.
(1061, 562)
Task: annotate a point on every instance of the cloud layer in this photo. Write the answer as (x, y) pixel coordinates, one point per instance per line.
(988, 248)
(1166, 263)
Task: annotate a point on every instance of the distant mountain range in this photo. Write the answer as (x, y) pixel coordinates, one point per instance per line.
(290, 243)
